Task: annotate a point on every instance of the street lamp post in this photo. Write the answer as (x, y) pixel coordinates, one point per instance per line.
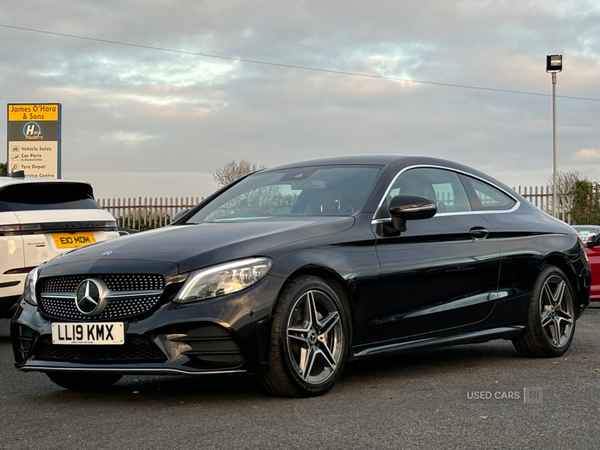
(553, 65)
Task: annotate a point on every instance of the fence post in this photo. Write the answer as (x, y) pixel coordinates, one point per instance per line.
(154, 213)
(135, 215)
(162, 213)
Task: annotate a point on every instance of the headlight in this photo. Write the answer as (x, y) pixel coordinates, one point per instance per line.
(30, 282)
(223, 279)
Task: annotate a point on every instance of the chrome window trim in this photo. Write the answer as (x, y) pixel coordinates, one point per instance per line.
(456, 213)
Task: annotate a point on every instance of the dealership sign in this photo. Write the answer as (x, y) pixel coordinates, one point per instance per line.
(34, 139)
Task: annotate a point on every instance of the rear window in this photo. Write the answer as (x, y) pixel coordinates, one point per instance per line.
(43, 196)
(487, 198)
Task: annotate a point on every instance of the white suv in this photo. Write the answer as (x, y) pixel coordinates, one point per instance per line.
(40, 219)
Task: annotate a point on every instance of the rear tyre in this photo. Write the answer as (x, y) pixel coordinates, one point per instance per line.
(551, 319)
(78, 381)
(309, 340)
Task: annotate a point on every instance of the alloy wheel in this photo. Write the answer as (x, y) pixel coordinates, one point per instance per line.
(314, 336)
(556, 311)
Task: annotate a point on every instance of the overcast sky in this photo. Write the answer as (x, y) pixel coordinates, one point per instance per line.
(158, 116)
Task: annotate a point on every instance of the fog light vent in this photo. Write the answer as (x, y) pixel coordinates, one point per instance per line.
(22, 340)
(212, 346)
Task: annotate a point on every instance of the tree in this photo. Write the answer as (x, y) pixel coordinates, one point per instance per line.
(586, 206)
(565, 183)
(2, 170)
(234, 170)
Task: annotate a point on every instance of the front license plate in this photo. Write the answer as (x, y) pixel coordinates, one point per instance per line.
(72, 240)
(88, 333)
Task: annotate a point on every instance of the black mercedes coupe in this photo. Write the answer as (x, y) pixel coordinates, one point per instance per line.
(290, 272)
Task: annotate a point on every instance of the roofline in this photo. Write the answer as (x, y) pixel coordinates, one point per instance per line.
(382, 160)
(10, 181)
(397, 161)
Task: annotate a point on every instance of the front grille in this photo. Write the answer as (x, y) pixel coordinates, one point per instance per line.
(136, 349)
(146, 291)
(113, 282)
(61, 308)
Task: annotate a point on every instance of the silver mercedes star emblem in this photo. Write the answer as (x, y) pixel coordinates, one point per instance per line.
(90, 296)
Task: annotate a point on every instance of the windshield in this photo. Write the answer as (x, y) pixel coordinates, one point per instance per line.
(586, 232)
(304, 191)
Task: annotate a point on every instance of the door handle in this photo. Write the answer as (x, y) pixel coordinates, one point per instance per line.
(479, 232)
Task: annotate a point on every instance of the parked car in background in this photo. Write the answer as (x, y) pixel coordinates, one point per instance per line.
(589, 235)
(586, 231)
(290, 271)
(592, 249)
(40, 219)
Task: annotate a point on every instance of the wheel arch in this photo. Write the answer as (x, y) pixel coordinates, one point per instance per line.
(281, 377)
(563, 263)
(334, 280)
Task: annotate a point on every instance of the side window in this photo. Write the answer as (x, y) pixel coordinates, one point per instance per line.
(441, 186)
(485, 197)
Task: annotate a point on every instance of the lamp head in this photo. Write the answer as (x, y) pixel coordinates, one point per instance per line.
(553, 63)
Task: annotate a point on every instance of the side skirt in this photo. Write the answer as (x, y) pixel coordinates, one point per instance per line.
(440, 341)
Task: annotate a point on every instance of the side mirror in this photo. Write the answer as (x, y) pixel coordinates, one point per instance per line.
(593, 241)
(410, 207)
(125, 231)
(179, 215)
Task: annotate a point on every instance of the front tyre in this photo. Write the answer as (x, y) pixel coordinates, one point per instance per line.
(551, 319)
(80, 381)
(309, 340)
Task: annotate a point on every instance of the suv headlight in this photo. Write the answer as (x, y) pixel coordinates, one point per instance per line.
(30, 282)
(223, 279)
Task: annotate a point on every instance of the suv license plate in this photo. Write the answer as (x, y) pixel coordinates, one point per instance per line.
(108, 333)
(73, 240)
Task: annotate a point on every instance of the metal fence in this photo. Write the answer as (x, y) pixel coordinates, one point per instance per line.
(541, 197)
(147, 213)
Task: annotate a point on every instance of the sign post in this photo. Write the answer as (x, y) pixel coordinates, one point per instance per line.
(34, 139)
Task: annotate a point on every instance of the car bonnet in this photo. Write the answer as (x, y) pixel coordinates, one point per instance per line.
(192, 247)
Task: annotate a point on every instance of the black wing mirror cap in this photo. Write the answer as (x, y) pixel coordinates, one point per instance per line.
(593, 241)
(410, 207)
(180, 214)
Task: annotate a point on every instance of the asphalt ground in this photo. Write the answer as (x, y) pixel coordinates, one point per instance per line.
(483, 396)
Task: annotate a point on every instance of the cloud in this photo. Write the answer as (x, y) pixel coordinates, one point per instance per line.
(131, 138)
(133, 109)
(587, 153)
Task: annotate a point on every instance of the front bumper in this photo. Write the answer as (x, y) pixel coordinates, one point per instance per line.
(222, 335)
